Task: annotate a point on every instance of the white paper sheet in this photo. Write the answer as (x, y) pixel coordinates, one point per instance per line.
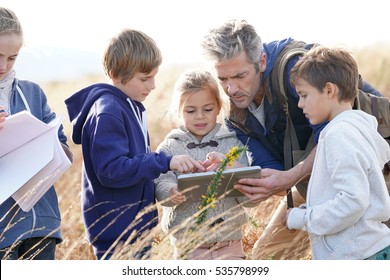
(31, 158)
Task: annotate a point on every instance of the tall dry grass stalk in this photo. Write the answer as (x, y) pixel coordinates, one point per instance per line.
(374, 65)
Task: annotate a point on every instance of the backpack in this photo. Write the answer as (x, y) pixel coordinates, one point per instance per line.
(378, 106)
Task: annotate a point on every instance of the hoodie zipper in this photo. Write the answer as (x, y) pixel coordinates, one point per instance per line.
(34, 216)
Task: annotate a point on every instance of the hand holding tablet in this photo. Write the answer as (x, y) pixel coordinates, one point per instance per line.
(195, 185)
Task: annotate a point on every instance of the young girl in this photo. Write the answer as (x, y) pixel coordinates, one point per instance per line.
(33, 234)
(197, 102)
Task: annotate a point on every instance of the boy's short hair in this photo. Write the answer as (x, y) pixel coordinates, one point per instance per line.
(321, 65)
(130, 52)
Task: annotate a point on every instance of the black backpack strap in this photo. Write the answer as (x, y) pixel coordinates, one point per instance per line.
(290, 142)
(374, 109)
(375, 113)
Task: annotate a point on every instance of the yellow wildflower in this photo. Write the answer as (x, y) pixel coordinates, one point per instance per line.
(209, 199)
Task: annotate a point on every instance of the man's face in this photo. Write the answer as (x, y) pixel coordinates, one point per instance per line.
(239, 79)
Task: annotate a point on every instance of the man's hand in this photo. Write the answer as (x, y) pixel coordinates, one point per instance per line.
(272, 182)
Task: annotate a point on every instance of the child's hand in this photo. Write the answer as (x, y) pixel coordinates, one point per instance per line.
(176, 196)
(285, 218)
(3, 114)
(185, 164)
(212, 161)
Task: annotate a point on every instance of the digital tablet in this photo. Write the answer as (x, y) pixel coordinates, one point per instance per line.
(195, 185)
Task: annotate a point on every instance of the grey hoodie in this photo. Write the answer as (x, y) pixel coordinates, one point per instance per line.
(229, 209)
(347, 198)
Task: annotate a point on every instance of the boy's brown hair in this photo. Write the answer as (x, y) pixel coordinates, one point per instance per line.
(131, 52)
(321, 65)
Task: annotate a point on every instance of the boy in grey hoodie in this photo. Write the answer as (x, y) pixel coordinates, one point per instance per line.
(347, 199)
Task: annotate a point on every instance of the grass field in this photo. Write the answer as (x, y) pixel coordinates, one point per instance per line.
(374, 63)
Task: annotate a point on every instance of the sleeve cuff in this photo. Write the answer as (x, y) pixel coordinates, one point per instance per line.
(296, 219)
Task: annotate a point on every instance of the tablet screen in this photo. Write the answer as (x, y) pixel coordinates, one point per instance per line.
(195, 185)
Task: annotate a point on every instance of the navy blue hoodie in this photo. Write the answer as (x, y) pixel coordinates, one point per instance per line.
(117, 182)
(44, 219)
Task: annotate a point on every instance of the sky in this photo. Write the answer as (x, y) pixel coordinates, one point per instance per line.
(178, 26)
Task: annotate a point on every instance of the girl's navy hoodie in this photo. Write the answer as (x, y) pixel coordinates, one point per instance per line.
(117, 177)
(44, 219)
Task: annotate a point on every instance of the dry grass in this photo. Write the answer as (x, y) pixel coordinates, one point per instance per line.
(374, 65)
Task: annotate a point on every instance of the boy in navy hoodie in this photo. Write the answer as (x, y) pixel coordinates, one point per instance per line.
(109, 121)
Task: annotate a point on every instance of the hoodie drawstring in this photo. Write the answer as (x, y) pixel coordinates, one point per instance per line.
(142, 122)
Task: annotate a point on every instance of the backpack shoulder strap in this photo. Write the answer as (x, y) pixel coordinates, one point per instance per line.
(278, 72)
(279, 85)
